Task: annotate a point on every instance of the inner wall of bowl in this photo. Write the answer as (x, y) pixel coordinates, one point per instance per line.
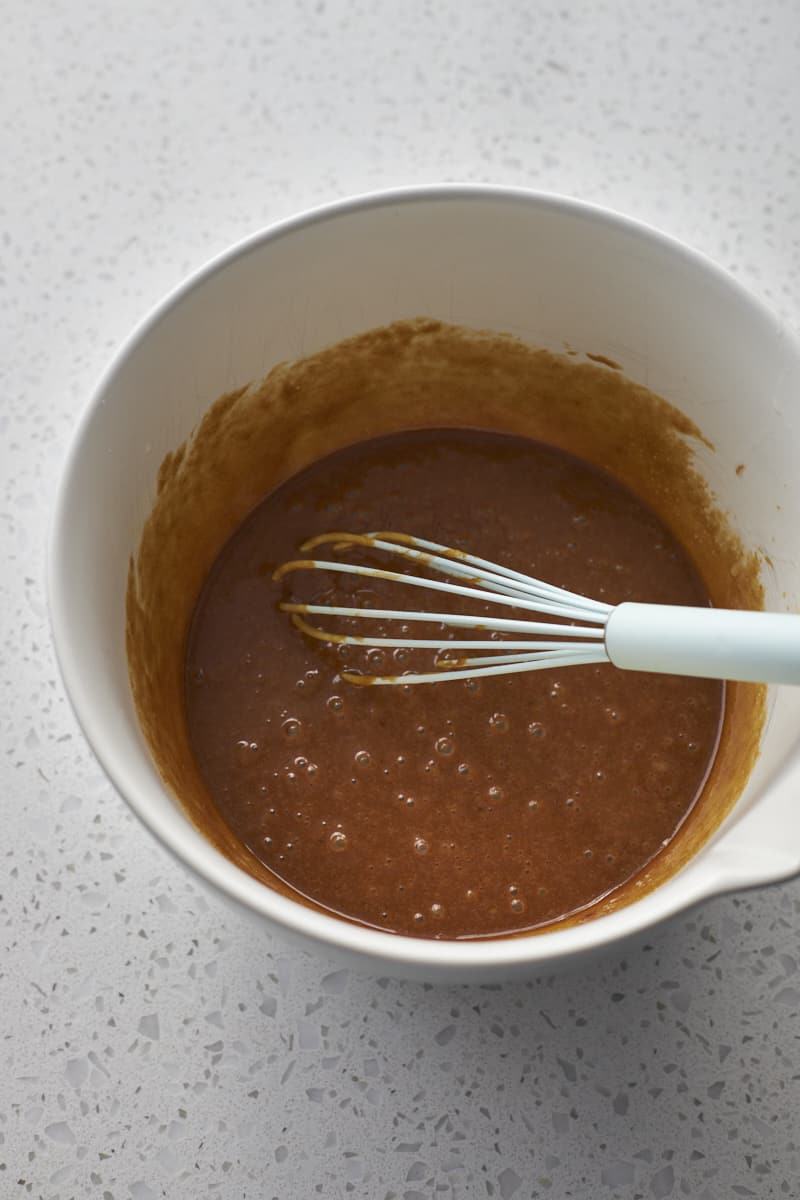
(554, 276)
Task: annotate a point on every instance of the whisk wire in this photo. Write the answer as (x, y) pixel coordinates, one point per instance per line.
(556, 608)
(527, 584)
(458, 564)
(391, 643)
(500, 624)
(529, 663)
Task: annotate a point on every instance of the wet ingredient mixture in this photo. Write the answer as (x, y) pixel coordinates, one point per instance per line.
(461, 809)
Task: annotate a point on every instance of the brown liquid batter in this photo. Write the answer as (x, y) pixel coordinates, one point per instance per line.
(452, 810)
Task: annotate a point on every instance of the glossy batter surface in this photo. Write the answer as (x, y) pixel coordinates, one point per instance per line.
(459, 809)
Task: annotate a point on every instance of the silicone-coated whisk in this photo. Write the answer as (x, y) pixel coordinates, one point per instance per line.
(671, 639)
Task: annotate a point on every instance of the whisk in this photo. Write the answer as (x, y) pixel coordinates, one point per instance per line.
(672, 639)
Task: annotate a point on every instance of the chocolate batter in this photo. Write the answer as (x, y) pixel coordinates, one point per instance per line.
(452, 810)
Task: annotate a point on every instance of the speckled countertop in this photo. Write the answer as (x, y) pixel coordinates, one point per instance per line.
(152, 1044)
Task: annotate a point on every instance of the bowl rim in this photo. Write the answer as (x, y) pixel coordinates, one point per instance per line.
(697, 880)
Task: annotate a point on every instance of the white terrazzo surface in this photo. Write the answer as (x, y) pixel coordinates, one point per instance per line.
(151, 1044)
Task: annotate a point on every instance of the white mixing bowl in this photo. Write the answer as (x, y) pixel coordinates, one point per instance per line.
(547, 269)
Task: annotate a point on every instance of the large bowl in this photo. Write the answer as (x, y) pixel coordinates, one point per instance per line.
(548, 269)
